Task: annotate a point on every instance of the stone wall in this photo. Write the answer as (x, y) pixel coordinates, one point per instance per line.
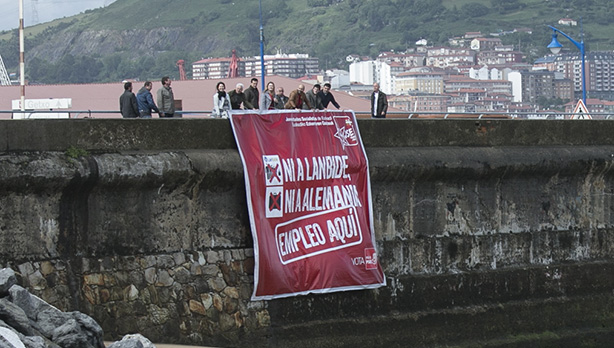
(490, 232)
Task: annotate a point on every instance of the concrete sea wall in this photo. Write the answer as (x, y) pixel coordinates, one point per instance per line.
(491, 233)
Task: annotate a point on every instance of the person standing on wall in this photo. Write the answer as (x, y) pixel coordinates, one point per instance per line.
(327, 97)
(313, 98)
(252, 95)
(297, 99)
(145, 101)
(237, 98)
(379, 102)
(267, 101)
(128, 106)
(165, 98)
(280, 99)
(221, 102)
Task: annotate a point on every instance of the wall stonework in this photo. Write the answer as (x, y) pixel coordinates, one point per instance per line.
(489, 232)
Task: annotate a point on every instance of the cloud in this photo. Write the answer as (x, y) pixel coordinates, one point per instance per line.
(41, 11)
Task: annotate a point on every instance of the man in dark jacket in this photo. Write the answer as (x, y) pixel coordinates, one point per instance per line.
(313, 99)
(327, 97)
(252, 96)
(280, 99)
(237, 97)
(145, 101)
(128, 106)
(379, 102)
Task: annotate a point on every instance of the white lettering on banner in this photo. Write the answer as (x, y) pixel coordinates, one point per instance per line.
(311, 121)
(321, 198)
(341, 228)
(303, 237)
(315, 168)
(357, 261)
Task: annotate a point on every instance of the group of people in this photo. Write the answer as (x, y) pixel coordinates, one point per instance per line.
(318, 98)
(142, 104)
(273, 98)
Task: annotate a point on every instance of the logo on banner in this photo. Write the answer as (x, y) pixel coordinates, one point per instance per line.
(370, 258)
(274, 181)
(274, 201)
(272, 170)
(345, 131)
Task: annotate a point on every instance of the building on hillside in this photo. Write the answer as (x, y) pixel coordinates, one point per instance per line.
(420, 102)
(495, 71)
(289, 65)
(456, 41)
(425, 80)
(365, 72)
(529, 86)
(547, 63)
(485, 44)
(338, 79)
(408, 60)
(568, 22)
(388, 74)
(599, 68)
(443, 57)
(563, 88)
(491, 57)
(372, 71)
(213, 68)
(472, 35)
(453, 83)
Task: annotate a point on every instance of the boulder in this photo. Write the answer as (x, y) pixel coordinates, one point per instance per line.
(7, 279)
(15, 317)
(80, 331)
(133, 341)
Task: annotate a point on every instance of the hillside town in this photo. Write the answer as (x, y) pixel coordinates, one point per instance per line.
(474, 73)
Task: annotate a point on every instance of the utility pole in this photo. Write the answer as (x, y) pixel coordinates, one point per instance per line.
(22, 65)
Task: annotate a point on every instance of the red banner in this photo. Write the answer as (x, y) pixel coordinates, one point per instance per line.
(309, 201)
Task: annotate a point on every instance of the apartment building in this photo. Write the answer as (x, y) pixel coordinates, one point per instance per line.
(290, 65)
(529, 86)
(599, 71)
(454, 83)
(408, 60)
(420, 102)
(491, 57)
(426, 80)
(443, 57)
(485, 44)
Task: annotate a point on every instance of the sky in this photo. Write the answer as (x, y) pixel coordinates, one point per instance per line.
(41, 11)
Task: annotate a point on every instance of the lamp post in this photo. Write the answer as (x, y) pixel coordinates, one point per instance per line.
(261, 47)
(555, 47)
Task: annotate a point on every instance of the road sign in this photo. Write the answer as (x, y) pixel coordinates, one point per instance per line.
(580, 112)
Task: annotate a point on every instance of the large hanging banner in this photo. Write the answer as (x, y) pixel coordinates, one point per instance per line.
(309, 201)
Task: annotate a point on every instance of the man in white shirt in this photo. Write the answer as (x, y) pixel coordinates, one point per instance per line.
(379, 102)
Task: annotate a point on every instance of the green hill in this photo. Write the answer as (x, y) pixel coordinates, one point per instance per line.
(144, 38)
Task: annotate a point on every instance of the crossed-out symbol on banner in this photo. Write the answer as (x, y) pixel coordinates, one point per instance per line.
(274, 201)
(273, 172)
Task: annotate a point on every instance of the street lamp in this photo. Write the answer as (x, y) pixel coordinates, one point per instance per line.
(555, 47)
(261, 47)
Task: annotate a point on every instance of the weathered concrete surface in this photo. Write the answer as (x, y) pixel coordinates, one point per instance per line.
(491, 233)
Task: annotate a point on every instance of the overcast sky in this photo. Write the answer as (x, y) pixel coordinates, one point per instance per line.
(41, 11)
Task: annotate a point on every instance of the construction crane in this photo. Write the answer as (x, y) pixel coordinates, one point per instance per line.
(4, 76)
(180, 64)
(233, 69)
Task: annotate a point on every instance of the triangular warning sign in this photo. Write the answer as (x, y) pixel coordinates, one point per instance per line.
(581, 112)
